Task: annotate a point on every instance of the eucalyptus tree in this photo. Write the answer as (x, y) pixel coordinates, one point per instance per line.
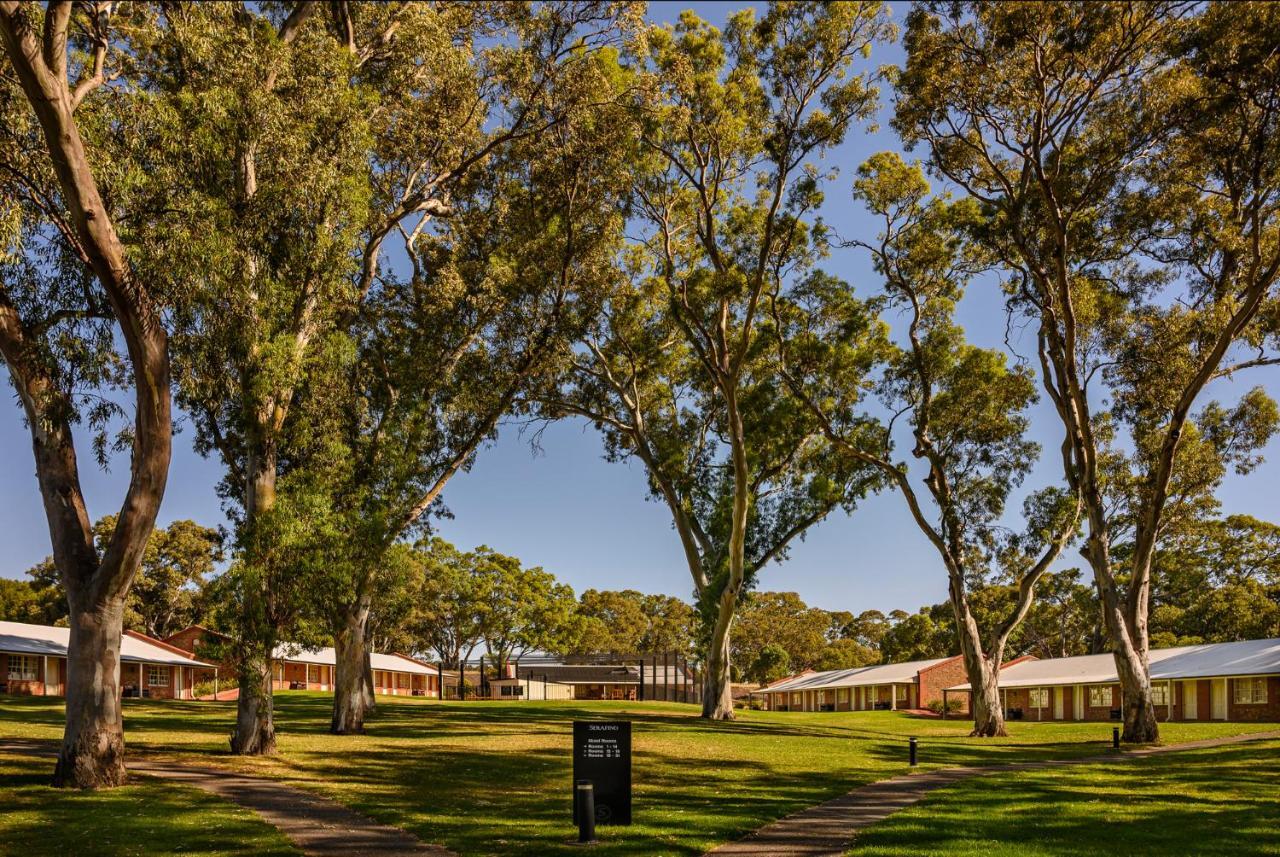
(70, 296)
(509, 226)
(679, 373)
(258, 145)
(1125, 156)
(965, 407)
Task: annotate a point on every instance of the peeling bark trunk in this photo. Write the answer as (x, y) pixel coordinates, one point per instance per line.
(988, 713)
(983, 671)
(352, 681)
(717, 688)
(92, 754)
(255, 733)
(1140, 724)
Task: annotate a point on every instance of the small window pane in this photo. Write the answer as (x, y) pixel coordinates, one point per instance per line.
(158, 676)
(1250, 691)
(24, 668)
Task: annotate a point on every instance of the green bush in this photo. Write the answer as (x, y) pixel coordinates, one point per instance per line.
(953, 706)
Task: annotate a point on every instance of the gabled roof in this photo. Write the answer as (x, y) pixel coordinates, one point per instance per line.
(19, 638)
(294, 653)
(856, 677)
(1247, 657)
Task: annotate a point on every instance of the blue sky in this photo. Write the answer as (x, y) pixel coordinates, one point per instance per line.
(588, 521)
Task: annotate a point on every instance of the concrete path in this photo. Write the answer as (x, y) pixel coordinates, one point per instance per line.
(828, 829)
(318, 826)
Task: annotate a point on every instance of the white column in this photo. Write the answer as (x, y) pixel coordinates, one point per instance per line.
(893, 697)
(140, 691)
(46, 675)
(177, 684)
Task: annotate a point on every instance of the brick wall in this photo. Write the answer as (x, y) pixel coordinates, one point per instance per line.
(1100, 712)
(949, 673)
(1269, 711)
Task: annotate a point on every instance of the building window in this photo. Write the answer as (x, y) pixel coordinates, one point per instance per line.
(900, 690)
(157, 676)
(844, 694)
(1099, 696)
(1039, 697)
(313, 674)
(24, 668)
(1160, 694)
(1250, 691)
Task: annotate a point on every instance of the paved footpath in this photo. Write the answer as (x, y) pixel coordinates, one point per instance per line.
(828, 829)
(317, 825)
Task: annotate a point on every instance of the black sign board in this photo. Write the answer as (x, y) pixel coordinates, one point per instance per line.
(602, 754)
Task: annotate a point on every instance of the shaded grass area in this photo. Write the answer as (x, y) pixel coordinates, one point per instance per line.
(145, 817)
(494, 778)
(1221, 801)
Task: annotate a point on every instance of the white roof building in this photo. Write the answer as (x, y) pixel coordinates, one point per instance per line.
(19, 638)
(1208, 660)
(903, 673)
(293, 653)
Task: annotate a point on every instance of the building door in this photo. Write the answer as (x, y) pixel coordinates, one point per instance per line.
(1218, 698)
(1057, 703)
(1189, 708)
(1077, 699)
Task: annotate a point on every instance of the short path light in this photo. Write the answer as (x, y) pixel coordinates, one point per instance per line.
(914, 744)
(584, 794)
(1115, 737)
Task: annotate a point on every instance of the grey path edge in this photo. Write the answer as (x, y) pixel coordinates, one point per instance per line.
(829, 829)
(320, 827)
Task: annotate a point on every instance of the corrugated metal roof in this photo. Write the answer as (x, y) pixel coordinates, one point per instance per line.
(327, 656)
(19, 638)
(1247, 657)
(856, 677)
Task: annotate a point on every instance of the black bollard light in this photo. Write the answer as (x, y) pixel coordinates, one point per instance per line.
(1115, 737)
(914, 744)
(584, 795)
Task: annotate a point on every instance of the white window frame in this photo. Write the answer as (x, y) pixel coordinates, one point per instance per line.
(310, 669)
(843, 694)
(1038, 697)
(1249, 691)
(24, 674)
(1160, 694)
(155, 671)
(1096, 691)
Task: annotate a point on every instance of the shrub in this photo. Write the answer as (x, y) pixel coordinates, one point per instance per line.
(953, 706)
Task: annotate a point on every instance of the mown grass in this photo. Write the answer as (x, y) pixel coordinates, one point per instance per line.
(1209, 802)
(494, 778)
(144, 818)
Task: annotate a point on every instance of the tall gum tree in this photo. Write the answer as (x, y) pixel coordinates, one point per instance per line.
(964, 405)
(680, 374)
(1125, 157)
(52, 336)
(501, 171)
(262, 142)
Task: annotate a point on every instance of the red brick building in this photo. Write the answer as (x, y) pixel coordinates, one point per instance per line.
(1213, 681)
(33, 662)
(912, 684)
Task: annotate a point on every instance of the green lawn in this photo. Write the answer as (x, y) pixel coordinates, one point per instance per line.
(1223, 801)
(494, 778)
(146, 817)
